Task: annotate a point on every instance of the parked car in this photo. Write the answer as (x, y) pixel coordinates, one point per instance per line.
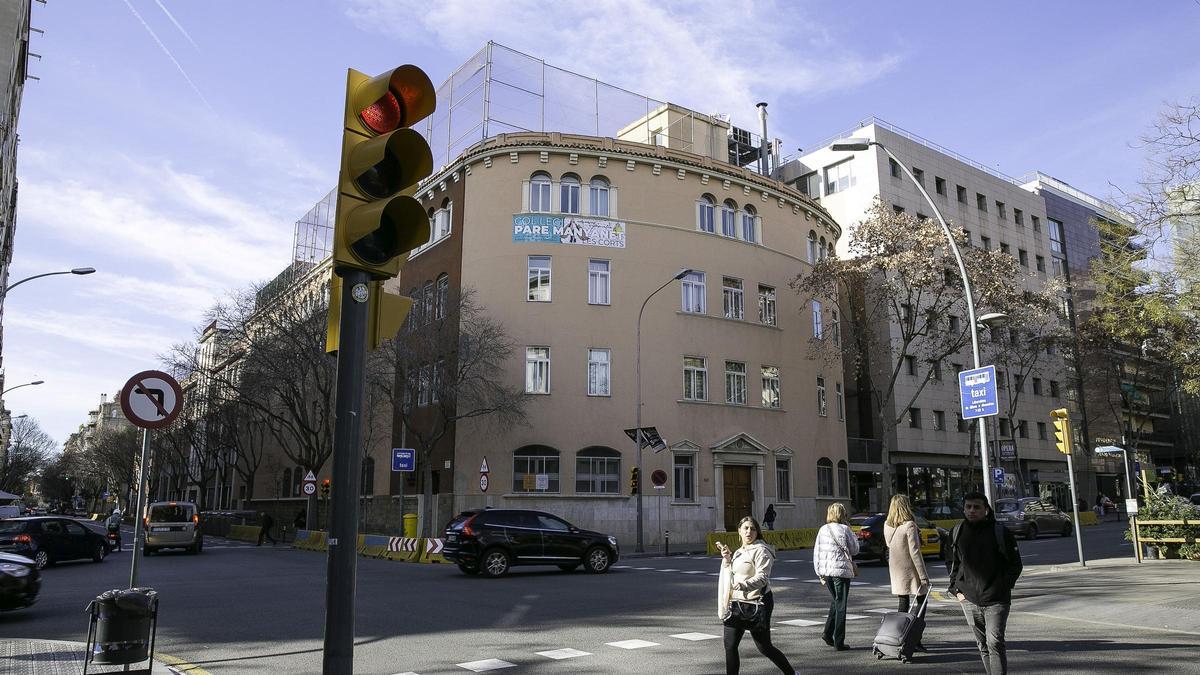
(871, 545)
(1029, 516)
(99, 528)
(20, 581)
(9, 511)
(492, 541)
(50, 539)
(173, 525)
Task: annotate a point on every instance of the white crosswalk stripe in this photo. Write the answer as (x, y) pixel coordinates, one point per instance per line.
(632, 644)
(565, 653)
(485, 665)
(695, 637)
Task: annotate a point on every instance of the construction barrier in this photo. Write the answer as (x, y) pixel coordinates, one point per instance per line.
(310, 540)
(431, 552)
(782, 540)
(244, 532)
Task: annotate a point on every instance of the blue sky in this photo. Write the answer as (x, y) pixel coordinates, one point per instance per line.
(172, 144)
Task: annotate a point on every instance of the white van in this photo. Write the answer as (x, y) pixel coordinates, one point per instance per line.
(173, 525)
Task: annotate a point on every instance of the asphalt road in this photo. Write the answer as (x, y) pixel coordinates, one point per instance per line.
(238, 608)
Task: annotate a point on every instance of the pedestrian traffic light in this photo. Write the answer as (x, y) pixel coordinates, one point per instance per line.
(1062, 430)
(325, 488)
(634, 475)
(377, 219)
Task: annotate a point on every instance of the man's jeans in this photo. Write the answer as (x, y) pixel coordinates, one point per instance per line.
(988, 624)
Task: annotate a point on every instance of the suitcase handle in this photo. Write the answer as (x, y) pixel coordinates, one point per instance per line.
(924, 603)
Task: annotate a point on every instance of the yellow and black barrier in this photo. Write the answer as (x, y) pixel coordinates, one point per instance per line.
(782, 540)
(398, 549)
(244, 532)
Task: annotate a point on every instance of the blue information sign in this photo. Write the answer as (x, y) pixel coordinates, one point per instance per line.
(977, 388)
(998, 476)
(404, 459)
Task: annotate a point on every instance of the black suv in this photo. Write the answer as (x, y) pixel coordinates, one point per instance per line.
(493, 540)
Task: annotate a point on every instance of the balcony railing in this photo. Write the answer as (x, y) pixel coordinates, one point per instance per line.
(864, 450)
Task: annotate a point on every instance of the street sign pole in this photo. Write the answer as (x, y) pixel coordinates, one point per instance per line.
(135, 554)
(342, 563)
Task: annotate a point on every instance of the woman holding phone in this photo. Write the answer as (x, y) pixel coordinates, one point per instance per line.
(746, 577)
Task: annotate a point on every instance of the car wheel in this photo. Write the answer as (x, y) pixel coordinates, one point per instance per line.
(598, 559)
(99, 552)
(1032, 532)
(41, 559)
(568, 568)
(495, 563)
(468, 569)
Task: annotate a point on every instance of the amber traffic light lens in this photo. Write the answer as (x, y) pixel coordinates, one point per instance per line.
(384, 115)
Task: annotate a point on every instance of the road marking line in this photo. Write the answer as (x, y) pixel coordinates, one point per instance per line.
(643, 568)
(1111, 624)
(696, 572)
(669, 570)
(803, 623)
(565, 653)
(785, 578)
(485, 665)
(180, 665)
(632, 644)
(620, 567)
(695, 637)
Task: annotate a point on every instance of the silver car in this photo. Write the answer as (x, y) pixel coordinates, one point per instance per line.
(173, 525)
(1029, 517)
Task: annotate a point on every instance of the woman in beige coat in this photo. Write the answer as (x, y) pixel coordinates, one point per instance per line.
(906, 565)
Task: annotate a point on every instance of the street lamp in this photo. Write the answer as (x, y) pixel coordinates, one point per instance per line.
(860, 144)
(27, 384)
(638, 429)
(78, 270)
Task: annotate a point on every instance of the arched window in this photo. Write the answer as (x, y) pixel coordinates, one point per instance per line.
(535, 469)
(539, 193)
(750, 224)
(812, 247)
(705, 213)
(285, 485)
(297, 478)
(414, 315)
(598, 471)
(427, 302)
(843, 477)
(569, 194)
(823, 251)
(441, 222)
(441, 296)
(824, 477)
(598, 197)
(729, 218)
(368, 477)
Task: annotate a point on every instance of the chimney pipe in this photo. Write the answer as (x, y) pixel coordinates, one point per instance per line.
(764, 159)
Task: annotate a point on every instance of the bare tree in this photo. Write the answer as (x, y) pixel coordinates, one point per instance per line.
(29, 453)
(112, 457)
(442, 369)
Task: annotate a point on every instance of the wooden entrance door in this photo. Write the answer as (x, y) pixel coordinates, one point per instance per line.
(739, 496)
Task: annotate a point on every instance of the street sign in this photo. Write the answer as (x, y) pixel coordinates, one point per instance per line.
(1108, 450)
(151, 399)
(1008, 451)
(483, 468)
(998, 476)
(658, 477)
(310, 484)
(404, 459)
(1131, 507)
(542, 483)
(483, 482)
(650, 438)
(977, 389)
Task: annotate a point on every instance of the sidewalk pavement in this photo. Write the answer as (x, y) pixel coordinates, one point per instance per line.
(57, 657)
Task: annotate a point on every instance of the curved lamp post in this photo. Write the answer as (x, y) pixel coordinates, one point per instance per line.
(77, 270)
(859, 144)
(638, 429)
(27, 384)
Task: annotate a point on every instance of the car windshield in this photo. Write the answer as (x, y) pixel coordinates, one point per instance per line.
(11, 526)
(170, 514)
(1007, 507)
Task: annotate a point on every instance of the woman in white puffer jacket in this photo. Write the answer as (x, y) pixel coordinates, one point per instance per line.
(833, 555)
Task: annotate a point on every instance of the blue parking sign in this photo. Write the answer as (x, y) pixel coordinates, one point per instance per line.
(977, 388)
(404, 459)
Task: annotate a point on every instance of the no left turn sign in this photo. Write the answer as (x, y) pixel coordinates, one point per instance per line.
(151, 399)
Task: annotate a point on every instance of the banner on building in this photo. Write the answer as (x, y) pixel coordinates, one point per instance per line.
(529, 228)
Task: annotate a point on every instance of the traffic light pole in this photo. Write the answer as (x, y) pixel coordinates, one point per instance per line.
(342, 562)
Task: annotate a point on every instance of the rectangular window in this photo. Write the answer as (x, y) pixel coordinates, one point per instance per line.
(783, 480)
(1056, 236)
(939, 420)
(1005, 427)
(1041, 263)
(919, 174)
(1005, 249)
(439, 371)
(936, 366)
(539, 278)
(986, 243)
(958, 368)
(910, 364)
(1023, 428)
(527, 468)
(810, 184)
(822, 406)
(897, 209)
(424, 387)
(840, 401)
(955, 325)
(695, 378)
(685, 478)
(818, 327)
(961, 193)
(735, 383)
(981, 202)
(440, 306)
(732, 298)
(914, 418)
(1056, 267)
(1023, 257)
(537, 370)
(770, 387)
(835, 325)
(963, 425)
(1037, 223)
(598, 198)
(599, 282)
(1037, 386)
(766, 305)
(839, 177)
(939, 184)
(569, 193)
(1041, 426)
(1018, 216)
(597, 475)
(693, 293)
(1001, 210)
(1054, 388)
(599, 370)
(893, 168)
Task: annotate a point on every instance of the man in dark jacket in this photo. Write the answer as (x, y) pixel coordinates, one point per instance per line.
(984, 566)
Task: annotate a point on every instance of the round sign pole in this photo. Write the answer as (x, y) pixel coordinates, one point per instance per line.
(135, 554)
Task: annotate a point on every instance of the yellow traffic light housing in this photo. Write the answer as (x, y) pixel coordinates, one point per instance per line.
(386, 312)
(1062, 430)
(634, 479)
(378, 221)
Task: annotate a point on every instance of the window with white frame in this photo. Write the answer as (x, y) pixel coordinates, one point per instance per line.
(598, 198)
(839, 177)
(599, 370)
(822, 406)
(537, 370)
(531, 462)
(569, 195)
(599, 282)
(835, 326)
(770, 387)
(783, 480)
(441, 222)
(425, 384)
(539, 193)
(692, 287)
(598, 471)
(750, 224)
(539, 278)
(706, 213)
(822, 249)
(729, 218)
(824, 477)
(733, 298)
(685, 477)
(735, 382)
(766, 305)
(695, 378)
(818, 325)
(841, 401)
(427, 301)
(442, 296)
(843, 476)
(812, 247)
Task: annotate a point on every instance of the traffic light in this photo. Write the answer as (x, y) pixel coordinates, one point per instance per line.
(378, 221)
(325, 488)
(1062, 430)
(385, 314)
(634, 478)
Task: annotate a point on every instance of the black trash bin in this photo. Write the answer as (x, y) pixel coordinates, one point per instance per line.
(123, 626)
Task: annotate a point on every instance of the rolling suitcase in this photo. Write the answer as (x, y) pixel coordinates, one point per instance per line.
(900, 633)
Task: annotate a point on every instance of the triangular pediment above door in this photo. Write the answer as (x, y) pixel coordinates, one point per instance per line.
(741, 443)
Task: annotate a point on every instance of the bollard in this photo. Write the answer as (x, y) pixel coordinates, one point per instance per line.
(667, 542)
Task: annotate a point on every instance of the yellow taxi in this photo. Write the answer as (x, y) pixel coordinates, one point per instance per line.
(871, 546)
